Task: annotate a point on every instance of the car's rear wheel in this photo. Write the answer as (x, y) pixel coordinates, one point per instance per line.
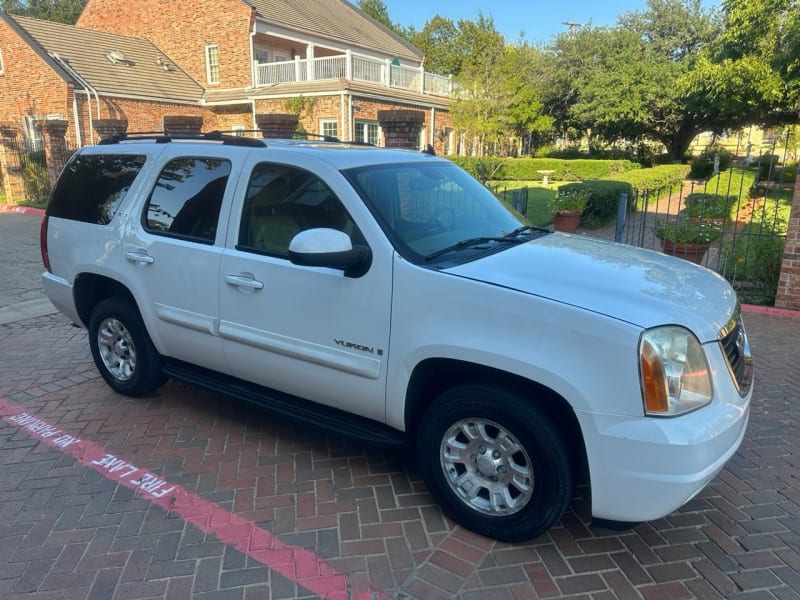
(122, 349)
(495, 462)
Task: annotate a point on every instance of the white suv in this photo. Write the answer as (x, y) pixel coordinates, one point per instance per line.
(387, 295)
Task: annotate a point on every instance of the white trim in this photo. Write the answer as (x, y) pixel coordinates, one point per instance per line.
(328, 121)
(209, 67)
(2, 64)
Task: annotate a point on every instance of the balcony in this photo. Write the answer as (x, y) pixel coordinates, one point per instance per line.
(353, 67)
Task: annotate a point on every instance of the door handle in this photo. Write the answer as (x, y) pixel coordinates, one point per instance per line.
(140, 257)
(244, 282)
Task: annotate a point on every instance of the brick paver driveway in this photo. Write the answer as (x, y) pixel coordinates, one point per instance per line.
(240, 505)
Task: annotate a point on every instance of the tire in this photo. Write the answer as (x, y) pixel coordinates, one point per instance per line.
(122, 349)
(494, 462)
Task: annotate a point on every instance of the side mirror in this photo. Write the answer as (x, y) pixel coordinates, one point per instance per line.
(329, 248)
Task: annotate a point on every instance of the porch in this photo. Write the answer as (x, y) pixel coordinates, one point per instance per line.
(353, 67)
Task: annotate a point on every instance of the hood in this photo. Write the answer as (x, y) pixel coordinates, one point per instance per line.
(642, 287)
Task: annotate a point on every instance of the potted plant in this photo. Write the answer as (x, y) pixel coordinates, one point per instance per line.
(567, 207)
(712, 208)
(685, 238)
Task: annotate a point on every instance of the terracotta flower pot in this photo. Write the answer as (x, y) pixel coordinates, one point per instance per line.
(691, 252)
(567, 220)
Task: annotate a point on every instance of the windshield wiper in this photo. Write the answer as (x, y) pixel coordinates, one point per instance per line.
(472, 242)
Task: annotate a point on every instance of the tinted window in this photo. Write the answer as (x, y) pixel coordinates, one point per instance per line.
(92, 187)
(187, 197)
(282, 201)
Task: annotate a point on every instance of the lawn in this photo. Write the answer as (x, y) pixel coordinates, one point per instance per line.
(539, 197)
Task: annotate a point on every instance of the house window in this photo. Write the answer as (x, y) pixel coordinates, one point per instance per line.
(2, 64)
(367, 132)
(212, 63)
(237, 130)
(329, 127)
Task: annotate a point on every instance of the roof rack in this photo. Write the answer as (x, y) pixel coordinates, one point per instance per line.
(164, 137)
(232, 138)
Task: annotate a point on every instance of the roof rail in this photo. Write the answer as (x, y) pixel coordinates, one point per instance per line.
(286, 134)
(163, 137)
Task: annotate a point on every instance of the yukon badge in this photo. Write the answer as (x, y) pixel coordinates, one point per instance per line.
(359, 347)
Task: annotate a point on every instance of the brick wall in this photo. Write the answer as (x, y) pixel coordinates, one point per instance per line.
(328, 107)
(789, 283)
(28, 85)
(182, 30)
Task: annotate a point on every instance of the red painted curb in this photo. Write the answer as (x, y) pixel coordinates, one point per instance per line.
(25, 210)
(293, 562)
(771, 310)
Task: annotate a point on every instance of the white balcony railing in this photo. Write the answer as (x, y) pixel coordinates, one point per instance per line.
(355, 68)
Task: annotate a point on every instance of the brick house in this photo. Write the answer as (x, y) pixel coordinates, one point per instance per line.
(153, 65)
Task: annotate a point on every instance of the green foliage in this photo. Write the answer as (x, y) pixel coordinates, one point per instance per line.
(655, 178)
(751, 73)
(378, 11)
(35, 177)
(752, 262)
(631, 82)
(527, 169)
(603, 200)
(734, 182)
(682, 230)
(572, 200)
(703, 164)
(711, 206)
(61, 11)
(539, 214)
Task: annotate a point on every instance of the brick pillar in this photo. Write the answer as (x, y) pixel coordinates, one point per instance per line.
(55, 147)
(401, 128)
(277, 125)
(788, 295)
(107, 128)
(182, 124)
(10, 166)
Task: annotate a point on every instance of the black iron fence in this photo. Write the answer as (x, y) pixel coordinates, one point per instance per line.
(736, 221)
(24, 174)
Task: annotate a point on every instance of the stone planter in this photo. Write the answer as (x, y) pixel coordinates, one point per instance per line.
(691, 252)
(567, 220)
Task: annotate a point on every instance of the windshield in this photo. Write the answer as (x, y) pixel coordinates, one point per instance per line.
(425, 208)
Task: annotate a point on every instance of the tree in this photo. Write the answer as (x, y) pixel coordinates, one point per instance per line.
(438, 40)
(752, 75)
(378, 11)
(634, 81)
(61, 11)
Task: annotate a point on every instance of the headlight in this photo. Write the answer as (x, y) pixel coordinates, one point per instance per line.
(674, 372)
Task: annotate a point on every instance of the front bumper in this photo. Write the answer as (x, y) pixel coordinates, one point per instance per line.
(644, 468)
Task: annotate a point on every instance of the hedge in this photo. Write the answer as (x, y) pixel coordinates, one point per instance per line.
(602, 207)
(516, 169)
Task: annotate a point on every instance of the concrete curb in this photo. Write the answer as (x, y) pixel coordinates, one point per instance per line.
(771, 310)
(28, 309)
(25, 210)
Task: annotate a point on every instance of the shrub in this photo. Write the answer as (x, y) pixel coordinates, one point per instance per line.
(703, 164)
(710, 206)
(662, 176)
(34, 177)
(683, 231)
(601, 207)
(527, 169)
(752, 262)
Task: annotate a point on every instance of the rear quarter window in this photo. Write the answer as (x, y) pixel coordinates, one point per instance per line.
(92, 187)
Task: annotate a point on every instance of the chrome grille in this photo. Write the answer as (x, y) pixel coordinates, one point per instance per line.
(736, 349)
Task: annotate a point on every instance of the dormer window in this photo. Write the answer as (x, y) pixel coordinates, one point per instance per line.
(212, 63)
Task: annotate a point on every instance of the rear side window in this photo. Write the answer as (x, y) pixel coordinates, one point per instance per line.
(92, 187)
(187, 198)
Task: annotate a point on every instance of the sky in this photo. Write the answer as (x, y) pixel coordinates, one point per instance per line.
(540, 20)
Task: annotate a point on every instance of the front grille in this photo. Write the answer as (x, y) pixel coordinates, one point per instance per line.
(736, 349)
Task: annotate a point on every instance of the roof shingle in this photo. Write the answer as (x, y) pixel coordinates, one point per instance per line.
(143, 71)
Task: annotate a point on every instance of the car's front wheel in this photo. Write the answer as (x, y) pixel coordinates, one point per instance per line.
(495, 462)
(122, 349)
